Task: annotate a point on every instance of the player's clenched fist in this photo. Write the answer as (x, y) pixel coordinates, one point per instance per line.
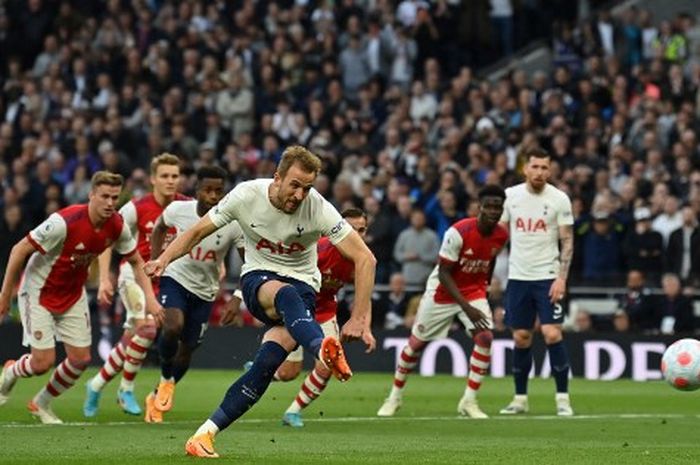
(153, 268)
(352, 330)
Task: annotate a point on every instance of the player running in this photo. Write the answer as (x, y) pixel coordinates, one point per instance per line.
(457, 287)
(336, 271)
(52, 296)
(282, 220)
(540, 221)
(139, 332)
(189, 285)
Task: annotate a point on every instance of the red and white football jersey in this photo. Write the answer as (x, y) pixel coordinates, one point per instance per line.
(472, 253)
(141, 216)
(336, 271)
(66, 244)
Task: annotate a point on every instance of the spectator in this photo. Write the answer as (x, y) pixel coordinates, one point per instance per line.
(669, 220)
(416, 250)
(621, 322)
(583, 322)
(673, 312)
(642, 247)
(682, 255)
(636, 300)
(13, 228)
(602, 249)
(390, 309)
(379, 238)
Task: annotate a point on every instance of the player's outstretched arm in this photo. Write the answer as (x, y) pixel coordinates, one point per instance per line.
(105, 289)
(445, 275)
(353, 247)
(180, 246)
(18, 255)
(152, 305)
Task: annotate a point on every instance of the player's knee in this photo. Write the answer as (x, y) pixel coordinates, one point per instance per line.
(288, 372)
(551, 334)
(41, 365)
(522, 339)
(147, 331)
(80, 361)
(172, 329)
(416, 344)
(483, 338)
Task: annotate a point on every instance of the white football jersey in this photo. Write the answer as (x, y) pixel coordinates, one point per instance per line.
(533, 221)
(198, 271)
(276, 241)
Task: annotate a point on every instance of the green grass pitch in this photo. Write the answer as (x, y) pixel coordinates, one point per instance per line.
(621, 422)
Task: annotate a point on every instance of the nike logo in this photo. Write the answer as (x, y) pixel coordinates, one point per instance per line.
(253, 225)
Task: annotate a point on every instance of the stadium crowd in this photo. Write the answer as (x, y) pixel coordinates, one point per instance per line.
(385, 93)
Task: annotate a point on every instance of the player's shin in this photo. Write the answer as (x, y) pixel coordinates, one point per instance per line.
(478, 362)
(522, 364)
(112, 366)
(248, 389)
(63, 378)
(311, 388)
(135, 353)
(559, 361)
(407, 362)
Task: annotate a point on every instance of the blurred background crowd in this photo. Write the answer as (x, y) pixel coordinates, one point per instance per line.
(391, 96)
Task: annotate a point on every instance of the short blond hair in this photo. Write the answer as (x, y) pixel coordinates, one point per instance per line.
(164, 158)
(106, 178)
(301, 155)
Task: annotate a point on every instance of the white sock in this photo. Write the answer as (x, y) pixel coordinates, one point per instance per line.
(167, 380)
(207, 427)
(520, 398)
(561, 396)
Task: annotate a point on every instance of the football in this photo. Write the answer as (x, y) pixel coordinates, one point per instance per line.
(680, 364)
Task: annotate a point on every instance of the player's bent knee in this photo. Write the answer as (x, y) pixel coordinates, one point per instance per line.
(147, 331)
(483, 338)
(416, 344)
(551, 334)
(288, 373)
(81, 361)
(41, 365)
(522, 339)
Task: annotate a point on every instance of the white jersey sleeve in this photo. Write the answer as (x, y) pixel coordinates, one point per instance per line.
(565, 216)
(49, 234)
(332, 224)
(451, 245)
(128, 212)
(126, 243)
(227, 209)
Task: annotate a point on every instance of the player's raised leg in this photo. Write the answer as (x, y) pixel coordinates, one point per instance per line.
(407, 362)
(479, 362)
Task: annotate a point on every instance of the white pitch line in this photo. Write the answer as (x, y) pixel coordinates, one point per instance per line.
(611, 416)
